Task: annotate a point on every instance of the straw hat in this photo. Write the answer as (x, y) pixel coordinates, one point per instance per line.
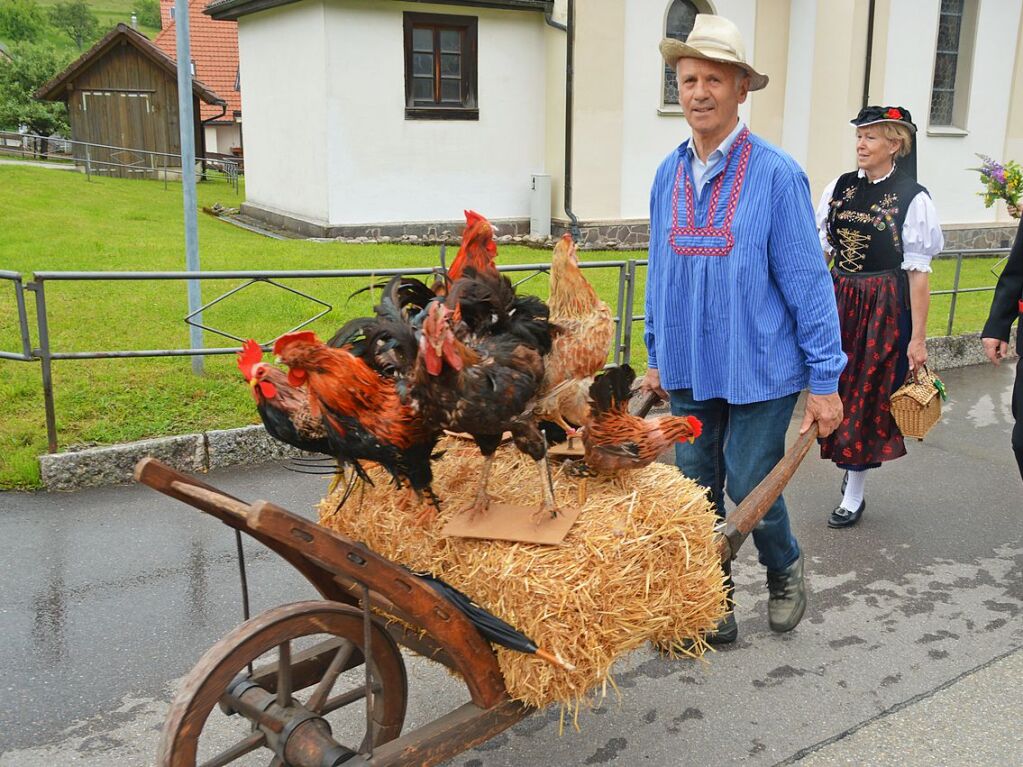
(713, 38)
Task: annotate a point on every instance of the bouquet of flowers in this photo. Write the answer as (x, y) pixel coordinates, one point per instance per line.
(1001, 182)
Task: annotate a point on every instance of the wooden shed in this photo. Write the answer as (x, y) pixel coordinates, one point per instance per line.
(122, 98)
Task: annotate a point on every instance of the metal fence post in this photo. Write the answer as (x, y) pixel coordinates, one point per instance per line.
(630, 295)
(88, 164)
(955, 293)
(43, 353)
(620, 308)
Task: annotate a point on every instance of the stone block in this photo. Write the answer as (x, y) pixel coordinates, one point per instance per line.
(115, 464)
(250, 444)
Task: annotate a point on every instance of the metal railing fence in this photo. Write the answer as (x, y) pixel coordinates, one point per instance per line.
(90, 155)
(624, 310)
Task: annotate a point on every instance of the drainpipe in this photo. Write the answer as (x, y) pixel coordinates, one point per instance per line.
(870, 49)
(569, 83)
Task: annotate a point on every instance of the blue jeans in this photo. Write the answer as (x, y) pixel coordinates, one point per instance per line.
(739, 445)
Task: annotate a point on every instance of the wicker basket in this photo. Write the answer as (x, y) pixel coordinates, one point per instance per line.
(916, 405)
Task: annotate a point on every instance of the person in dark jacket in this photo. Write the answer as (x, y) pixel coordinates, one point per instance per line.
(1006, 306)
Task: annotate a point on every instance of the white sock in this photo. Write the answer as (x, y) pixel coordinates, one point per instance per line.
(854, 490)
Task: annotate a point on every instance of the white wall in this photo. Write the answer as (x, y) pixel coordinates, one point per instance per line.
(220, 138)
(382, 167)
(282, 58)
(799, 85)
(943, 161)
(648, 135)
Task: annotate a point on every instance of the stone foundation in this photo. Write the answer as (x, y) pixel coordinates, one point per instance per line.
(624, 234)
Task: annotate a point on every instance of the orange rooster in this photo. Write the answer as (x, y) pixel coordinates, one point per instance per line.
(617, 441)
(478, 250)
(362, 413)
(587, 331)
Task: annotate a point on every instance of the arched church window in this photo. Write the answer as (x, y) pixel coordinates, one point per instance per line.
(677, 24)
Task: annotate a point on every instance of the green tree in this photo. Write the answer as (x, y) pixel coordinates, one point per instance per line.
(21, 20)
(30, 67)
(76, 20)
(147, 12)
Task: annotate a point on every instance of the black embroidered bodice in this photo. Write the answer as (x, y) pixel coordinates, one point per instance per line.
(865, 220)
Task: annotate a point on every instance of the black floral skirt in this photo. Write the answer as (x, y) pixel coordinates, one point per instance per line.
(876, 326)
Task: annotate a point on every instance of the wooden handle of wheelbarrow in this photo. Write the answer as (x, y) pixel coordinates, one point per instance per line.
(740, 523)
(647, 401)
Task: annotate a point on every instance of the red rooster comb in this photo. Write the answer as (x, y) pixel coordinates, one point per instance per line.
(696, 425)
(472, 217)
(251, 354)
(306, 337)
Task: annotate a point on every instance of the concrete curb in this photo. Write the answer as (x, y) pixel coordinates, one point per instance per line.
(198, 453)
(194, 453)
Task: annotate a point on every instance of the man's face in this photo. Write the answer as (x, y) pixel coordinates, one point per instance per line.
(709, 93)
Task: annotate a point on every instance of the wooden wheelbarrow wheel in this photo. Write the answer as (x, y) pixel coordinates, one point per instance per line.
(262, 698)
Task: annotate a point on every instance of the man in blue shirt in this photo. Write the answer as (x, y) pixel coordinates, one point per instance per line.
(740, 308)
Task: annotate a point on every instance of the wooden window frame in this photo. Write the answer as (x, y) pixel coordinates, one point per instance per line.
(467, 26)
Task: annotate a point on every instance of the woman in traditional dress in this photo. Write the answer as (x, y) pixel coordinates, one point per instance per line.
(879, 229)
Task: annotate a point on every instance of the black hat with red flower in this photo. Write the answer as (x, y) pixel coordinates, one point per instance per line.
(872, 115)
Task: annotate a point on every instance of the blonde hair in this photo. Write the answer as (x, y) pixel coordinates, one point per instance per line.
(900, 133)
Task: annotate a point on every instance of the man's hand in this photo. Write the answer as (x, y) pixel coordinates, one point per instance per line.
(995, 349)
(651, 382)
(826, 410)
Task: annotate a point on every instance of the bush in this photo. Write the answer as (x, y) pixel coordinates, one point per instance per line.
(148, 13)
(21, 20)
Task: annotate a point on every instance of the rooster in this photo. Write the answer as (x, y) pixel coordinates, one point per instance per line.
(363, 414)
(283, 408)
(616, 441)
(478, 250)
(580, 350)
(482, 379)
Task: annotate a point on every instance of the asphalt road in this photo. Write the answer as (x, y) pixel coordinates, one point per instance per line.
(909, 653)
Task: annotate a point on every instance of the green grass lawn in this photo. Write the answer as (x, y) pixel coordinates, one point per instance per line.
(109, 13)
(58, 221)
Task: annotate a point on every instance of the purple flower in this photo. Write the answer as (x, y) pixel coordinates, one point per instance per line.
(999, 175)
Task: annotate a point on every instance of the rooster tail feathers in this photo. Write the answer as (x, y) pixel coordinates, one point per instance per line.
(403, 298)
(353, 335)
(611, 390)
(250, 354)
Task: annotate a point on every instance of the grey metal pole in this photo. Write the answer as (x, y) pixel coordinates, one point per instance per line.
(186, 125)
(43, 353)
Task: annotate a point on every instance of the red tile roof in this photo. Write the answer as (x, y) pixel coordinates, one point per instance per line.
(214, 46)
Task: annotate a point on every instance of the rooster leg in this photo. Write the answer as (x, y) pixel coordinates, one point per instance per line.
(482, 502)
(428, 508)
(336, 479)
(549, 508)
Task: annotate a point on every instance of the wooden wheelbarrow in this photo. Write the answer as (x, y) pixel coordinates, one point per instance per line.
(254, 674)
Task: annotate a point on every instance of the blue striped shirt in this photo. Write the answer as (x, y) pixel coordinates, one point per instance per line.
(741, 307)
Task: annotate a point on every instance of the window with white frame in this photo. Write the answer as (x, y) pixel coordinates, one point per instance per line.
(678, 23)
(953, 63)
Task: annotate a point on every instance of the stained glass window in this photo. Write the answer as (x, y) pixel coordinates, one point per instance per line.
(946, 62)
(678, 25)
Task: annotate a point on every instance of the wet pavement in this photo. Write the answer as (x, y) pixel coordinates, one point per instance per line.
(909, 652)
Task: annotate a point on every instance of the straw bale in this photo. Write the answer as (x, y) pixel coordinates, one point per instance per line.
(639, 564)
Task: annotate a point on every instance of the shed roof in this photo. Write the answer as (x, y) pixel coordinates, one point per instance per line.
(214, 49)
(56, 89)
(233, 9)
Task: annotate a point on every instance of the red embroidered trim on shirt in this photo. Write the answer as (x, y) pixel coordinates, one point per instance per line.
(725, 230)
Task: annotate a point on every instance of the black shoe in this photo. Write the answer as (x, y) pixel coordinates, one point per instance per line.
(726, 632)
(842, 517)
